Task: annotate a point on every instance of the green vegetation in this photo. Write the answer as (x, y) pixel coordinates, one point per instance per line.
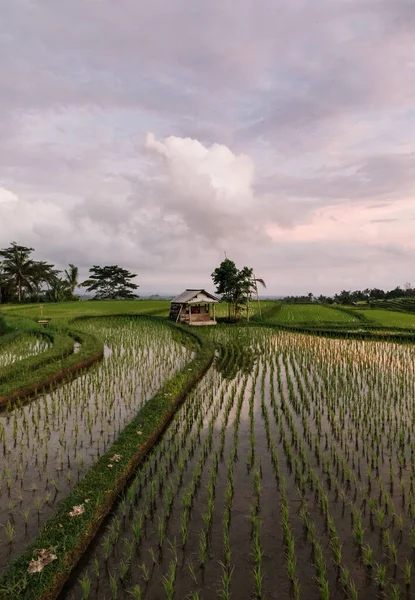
(110, 283)
(20, 275)
(78, 516)
(24, 279)
(236, 286)
(35, 357)
(70, 310)
(395, 304)
(291, 446)
(312, 313)
(388, 318)
(270, 475)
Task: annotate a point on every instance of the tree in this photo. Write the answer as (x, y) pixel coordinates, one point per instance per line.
(44, 274)
(18, 269)
(20, 275)
(110, 282)
(255, 281)
(6, 289)
(243, 289)
(234, 285)
(225, 277)
(59, 291)
(71, 275)
(343, 297)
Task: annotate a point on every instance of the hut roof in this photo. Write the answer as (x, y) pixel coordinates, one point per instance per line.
(189, 296)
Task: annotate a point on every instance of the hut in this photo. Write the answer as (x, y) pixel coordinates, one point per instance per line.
(194, 308)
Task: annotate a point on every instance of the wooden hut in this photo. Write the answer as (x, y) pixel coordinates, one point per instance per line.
(194, 307)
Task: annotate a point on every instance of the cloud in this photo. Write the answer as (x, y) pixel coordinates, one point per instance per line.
(7, 197)
(209, 190)
(282, 133)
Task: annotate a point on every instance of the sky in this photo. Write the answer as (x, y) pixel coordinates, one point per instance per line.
(161, 135)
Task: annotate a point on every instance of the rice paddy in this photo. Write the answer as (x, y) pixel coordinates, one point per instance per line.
(313, 313)
(20, 348)
(389, 318)
(288, 472)
(50, 443)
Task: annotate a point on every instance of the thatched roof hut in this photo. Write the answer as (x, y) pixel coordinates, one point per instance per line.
(194, 307)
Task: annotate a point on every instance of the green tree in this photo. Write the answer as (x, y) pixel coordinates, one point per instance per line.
(254, 289)
(71, 276)
(18, 270)
(225, 278)
(110, 282)
(58, 291)
(6, 289)
(44, 274)
(234, 286)
(21, 275)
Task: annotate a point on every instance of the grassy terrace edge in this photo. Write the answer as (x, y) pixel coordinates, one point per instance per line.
(51, 367)
(70, 536)
(361, 331)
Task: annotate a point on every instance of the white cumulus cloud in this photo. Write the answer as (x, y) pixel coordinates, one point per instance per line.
(209, 188)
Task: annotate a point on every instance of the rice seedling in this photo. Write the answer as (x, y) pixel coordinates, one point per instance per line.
(332, 412)
(408, 573)
(367, 556)
(380, 576)
(136, 592)
(145, 572)
(169, 579)
(113, 587)
(226, 579)
(85, 584)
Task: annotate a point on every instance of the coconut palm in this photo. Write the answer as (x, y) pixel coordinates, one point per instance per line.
(254, 282)
(72, 278)
(18, 269)
(21, 275)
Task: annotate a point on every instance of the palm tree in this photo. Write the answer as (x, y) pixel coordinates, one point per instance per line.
(255, 282)
(18, 269)
(43, 274)
(72, 278)
(59, 290)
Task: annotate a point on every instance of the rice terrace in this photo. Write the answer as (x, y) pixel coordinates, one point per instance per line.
(265, 458)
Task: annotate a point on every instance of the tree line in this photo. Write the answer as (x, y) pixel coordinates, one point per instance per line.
(353, 297)
(24, 279)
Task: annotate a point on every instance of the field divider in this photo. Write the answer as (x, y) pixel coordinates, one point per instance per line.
(371, 332)
(66, 536)
(38, 374)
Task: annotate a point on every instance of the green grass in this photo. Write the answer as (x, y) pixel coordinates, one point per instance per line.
(312, 313)
(388, 318)
(396, 304)
(161, 308)
(70, 310)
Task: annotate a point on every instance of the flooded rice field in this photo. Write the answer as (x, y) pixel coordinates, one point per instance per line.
(21, 348)
(48, 444)
(288, 473)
